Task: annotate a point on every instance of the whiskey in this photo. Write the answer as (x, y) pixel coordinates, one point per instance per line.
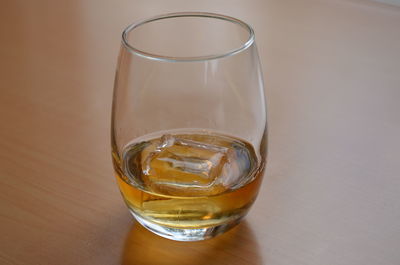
(189, 181)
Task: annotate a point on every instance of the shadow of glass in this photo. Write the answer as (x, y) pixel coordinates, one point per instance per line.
(237, 246)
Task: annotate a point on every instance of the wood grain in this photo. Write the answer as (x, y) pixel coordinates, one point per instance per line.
(331, 192)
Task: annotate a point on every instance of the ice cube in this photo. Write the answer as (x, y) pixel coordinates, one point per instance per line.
(201, 165)
(185, 162)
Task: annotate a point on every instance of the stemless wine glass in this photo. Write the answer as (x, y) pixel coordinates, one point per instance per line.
(189, 123)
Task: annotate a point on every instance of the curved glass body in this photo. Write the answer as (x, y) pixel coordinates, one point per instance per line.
(189, 128)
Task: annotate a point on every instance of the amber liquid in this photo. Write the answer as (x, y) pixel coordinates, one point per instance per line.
(189, 180)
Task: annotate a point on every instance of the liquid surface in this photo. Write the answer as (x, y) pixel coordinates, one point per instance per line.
(189, 180)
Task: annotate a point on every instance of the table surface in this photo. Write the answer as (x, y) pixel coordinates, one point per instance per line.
(331, 194)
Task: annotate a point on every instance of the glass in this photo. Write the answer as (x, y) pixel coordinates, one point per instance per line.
(189, 123)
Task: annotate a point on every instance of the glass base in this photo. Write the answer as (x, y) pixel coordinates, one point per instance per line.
(180, 234)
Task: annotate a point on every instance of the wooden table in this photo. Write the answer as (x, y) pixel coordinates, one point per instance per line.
(332, 189)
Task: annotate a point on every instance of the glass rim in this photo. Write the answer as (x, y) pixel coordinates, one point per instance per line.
(165, 58)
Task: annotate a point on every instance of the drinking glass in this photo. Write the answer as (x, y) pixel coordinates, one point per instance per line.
(189, 134)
